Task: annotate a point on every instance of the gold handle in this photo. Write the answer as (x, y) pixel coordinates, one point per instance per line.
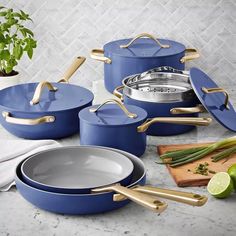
(117, 93)
(188, 110)
(191, 54)
(140, 198)
(145, 35)
(72, 69)
(123, 108)
(218, 90)
(23, 121)
(174, 120)
(178, 196)
(39, 89)
(98, 54)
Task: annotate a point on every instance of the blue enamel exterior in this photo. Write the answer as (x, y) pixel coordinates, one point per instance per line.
(214, 102)
(76, 204)
(113, 129)
(56, 104)
(163, 110)
(141, 56)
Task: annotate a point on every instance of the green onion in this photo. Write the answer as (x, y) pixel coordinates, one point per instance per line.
(181, 157)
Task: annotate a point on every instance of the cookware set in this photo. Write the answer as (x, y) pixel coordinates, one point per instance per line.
(155, 96)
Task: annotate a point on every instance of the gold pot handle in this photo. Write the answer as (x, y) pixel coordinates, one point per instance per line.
(192, 54)
(98, 54)
(140, 198)
(123, 108)
(218, 90)
(72, 69)
(144, 35)
(174, 195)
(188, 110)
(117, 93)
(39, 89)
(175, 120)
(22, 121)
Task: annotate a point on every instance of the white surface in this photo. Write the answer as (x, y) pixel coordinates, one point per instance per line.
(77, 168)
(14, 151)
(8, 81)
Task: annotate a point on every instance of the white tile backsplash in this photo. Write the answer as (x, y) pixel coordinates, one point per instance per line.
(69, 28)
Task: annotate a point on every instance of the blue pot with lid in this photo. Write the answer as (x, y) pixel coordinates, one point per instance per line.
(44, 110)
(126, 57)
(123, 126)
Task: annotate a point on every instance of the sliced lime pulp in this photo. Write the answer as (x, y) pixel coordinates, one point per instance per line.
(220, 185)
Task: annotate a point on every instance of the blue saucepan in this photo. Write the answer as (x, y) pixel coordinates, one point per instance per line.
(44, 110)
(131, 56)
(123, 127)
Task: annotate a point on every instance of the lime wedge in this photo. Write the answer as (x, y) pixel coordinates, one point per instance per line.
(220, 185)
(232, 172)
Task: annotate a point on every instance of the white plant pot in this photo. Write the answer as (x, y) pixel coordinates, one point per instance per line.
(7, 81)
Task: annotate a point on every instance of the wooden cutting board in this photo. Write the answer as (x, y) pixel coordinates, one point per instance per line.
(183, 177)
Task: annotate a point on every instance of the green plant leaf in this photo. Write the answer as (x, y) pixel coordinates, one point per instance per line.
(17, 51)
(23, 32)
(5, 55)
(28, 31)
(3, 13)
(2, 45)
(30, 52)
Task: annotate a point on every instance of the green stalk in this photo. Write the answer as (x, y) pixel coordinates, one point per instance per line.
(224, 154)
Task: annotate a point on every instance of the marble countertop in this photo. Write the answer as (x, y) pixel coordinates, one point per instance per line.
(217, 217)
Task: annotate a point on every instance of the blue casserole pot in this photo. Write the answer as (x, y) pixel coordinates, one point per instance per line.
(78, 204)
(43, 110)
(131, 56)
(123, 127)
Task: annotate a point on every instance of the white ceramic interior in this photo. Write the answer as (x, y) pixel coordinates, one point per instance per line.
(77, 169)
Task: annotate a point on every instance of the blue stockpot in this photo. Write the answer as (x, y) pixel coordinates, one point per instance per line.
(110, 127)
(142, 55)
(64, 105)
(158, 109)
(78, 204)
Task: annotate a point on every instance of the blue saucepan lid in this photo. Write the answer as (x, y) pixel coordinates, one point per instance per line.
(112, 115)
(143, 47)
(213, 98)
(66, 97)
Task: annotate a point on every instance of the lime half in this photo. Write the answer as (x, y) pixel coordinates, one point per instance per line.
(220, 185)
(232, 172)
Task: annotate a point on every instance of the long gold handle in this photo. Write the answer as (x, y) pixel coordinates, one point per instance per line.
(23, 121)
(117, 93)
(218, 90)
(145, 35)
(191, 54)
(123, 108)
(175, 120)
(178, 196)
(140, 198)
(98, 54)
(188, 110)
(72, 69)
(39, 89)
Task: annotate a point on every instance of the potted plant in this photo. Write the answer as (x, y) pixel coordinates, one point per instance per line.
(15, 40)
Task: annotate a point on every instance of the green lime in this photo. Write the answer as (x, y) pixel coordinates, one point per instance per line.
(220, 185)
(232, 172)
